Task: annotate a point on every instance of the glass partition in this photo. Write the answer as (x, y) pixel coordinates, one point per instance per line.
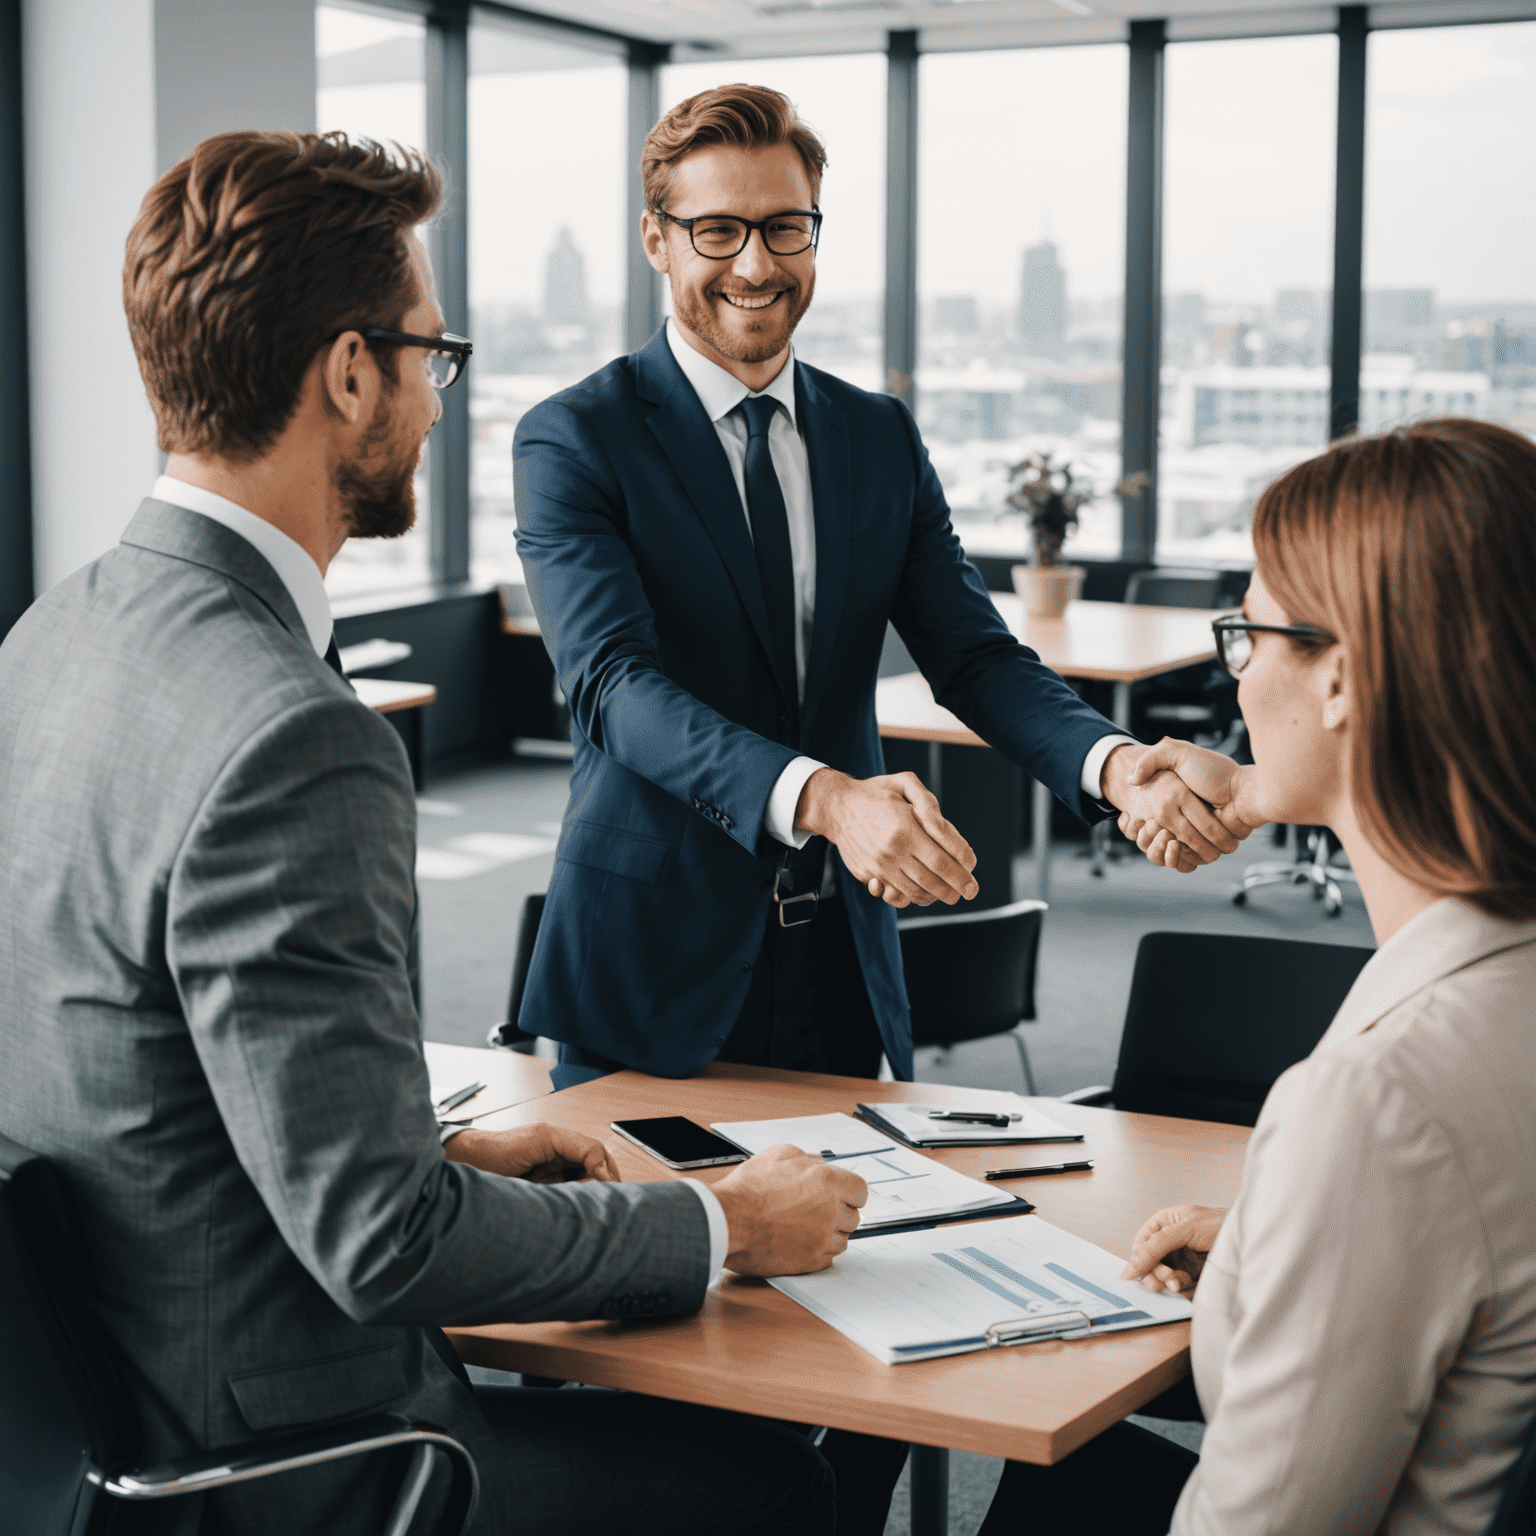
(546, 245)
(843, 99)
(1021, 262)
(1450, 202)
(1247, 282)
(370, 70)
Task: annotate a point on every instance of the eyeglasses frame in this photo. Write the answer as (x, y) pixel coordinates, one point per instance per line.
(761, 226)
(458, 347)
(1231, 623)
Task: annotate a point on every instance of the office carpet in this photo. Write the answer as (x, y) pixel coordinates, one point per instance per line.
(487, 842)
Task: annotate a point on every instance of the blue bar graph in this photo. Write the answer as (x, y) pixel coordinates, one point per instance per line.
(984, 1280)
(1012, 1274)
(1087, 1285)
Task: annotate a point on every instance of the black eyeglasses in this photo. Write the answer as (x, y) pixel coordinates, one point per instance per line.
(1234, 638)
(722, 236)
(447, 355)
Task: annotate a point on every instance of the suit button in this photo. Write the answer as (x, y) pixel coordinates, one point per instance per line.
(746, 970)
(698, 804)
(727, 823)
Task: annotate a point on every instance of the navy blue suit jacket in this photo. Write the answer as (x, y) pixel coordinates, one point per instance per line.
(639, 562)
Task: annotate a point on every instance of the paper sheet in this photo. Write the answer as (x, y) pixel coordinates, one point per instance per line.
(918, 1295)
(1032, 1125)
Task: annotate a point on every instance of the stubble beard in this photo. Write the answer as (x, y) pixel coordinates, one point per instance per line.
(377, 485)
(763, 341)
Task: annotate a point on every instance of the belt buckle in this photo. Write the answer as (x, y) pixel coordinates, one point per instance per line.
(814, 897)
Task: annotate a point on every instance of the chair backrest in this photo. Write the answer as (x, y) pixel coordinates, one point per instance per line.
(1215, 1018)
(971, 974)
(63, 1410)
(527, 932)
(1516, 1514)
(1175, 589)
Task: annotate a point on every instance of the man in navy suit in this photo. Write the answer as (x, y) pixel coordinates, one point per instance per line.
(714, 537)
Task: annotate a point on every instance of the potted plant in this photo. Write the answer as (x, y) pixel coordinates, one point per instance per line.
(1047, 494)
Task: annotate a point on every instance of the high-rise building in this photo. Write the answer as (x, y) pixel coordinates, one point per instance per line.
(1042, 317)
(565, 284)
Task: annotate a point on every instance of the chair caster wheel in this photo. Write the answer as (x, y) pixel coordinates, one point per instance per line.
(1239, 898)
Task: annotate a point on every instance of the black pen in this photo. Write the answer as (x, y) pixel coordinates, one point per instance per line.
(1025, 1173)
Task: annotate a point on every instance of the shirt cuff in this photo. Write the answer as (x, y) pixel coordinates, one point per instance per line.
(779, 818)
(1093, 764)
(446, 1133)
(719, 1230)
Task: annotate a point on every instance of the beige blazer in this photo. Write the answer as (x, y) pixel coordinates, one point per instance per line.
(1365, 1330)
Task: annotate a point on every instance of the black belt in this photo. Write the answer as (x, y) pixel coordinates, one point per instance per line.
(797, 882)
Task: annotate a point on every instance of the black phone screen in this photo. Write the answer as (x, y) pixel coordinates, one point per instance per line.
(676, 1139)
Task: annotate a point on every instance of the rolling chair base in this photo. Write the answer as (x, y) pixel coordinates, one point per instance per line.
(1320, 876)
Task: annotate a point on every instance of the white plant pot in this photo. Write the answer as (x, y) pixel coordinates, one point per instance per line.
(1047, 589)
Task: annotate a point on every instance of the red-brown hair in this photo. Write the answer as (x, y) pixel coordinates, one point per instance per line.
(744, 116)
(251, 255)
(1417, 550)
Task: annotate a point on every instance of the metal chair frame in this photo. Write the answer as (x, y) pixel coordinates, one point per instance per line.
(1321, 875)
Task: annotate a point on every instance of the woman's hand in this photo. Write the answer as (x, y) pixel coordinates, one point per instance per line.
(1170, 1250)
(542, 1154)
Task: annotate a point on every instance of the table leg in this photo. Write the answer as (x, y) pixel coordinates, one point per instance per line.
(936, 770)
(1121, 714)
(930, 1491)
(418, 747)
(1040, 839)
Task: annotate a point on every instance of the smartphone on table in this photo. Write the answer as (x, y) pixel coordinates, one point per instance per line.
(678, 1142)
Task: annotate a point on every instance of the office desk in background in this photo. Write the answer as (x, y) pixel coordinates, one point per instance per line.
(751, 1348)
(1105, 642)
(407, 700)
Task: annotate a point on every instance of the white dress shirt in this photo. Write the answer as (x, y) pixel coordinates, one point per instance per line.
(720, 393)
(294, 564)
(306, 586)
(1364, 1340)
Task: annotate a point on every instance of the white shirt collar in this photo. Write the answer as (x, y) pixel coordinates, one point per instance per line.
(293, 563)
(720, 392)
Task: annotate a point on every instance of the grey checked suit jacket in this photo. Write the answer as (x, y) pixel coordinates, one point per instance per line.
(206, 856)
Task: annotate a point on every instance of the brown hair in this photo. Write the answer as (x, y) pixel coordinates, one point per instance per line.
(1417, 549)
(746, 116)
(252, 254)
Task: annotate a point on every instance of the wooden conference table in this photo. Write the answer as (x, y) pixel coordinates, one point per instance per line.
(408, 699)
(1108, 642)
(751, 1348)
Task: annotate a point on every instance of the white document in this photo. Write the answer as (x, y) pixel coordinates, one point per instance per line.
(918, 1295)
(1026, 1122)
(904, 1186)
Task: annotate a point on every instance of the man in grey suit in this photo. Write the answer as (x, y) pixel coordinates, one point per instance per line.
(206, 897)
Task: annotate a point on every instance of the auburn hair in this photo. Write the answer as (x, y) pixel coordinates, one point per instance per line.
(1417, 550)
(251, 255)
(744, 116)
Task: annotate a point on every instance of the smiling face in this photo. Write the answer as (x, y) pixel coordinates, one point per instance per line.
(741, 312)
(1295, 702)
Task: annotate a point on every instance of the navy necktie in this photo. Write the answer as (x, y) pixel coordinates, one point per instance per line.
(770, 544)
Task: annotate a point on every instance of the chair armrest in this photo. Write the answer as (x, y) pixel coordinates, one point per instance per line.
(264, 1458)
(1098, 1095)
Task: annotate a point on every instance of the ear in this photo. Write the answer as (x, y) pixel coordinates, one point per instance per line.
(653, 237)
(348, 375)
(1333, 681)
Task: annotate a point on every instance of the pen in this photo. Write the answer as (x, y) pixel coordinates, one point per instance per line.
(453, 1100)
(1025, 1173)
(973, 1117)
(829, 1156)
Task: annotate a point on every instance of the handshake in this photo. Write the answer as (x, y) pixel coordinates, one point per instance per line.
(1183, 806)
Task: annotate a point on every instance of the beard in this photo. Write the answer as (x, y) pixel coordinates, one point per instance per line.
(767, 333)
(377, 485)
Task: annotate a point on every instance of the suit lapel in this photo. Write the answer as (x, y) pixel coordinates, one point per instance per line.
(688, 438)
(826, 445)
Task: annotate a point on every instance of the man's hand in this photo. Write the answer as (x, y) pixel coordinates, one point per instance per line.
(891, 836)
(1170, 1250)
(1229, 788)
(542, 1154)
(789, 1212)
(1160, 799)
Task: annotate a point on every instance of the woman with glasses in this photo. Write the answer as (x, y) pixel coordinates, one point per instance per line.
(1364, 1340)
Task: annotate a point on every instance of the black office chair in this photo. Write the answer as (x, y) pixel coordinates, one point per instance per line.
(507, 1036)
(1213, 1019)
(1314, 864)
(68, 1431)
(1516, 1514)
(971, 975)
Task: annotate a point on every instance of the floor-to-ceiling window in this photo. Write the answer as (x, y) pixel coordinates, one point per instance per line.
(1247, 281)
(1021, 258)
(1450, 200)
(546, 244)
(843, 99)
(371, 84)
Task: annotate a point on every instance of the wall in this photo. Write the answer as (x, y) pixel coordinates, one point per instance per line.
(117, 91)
